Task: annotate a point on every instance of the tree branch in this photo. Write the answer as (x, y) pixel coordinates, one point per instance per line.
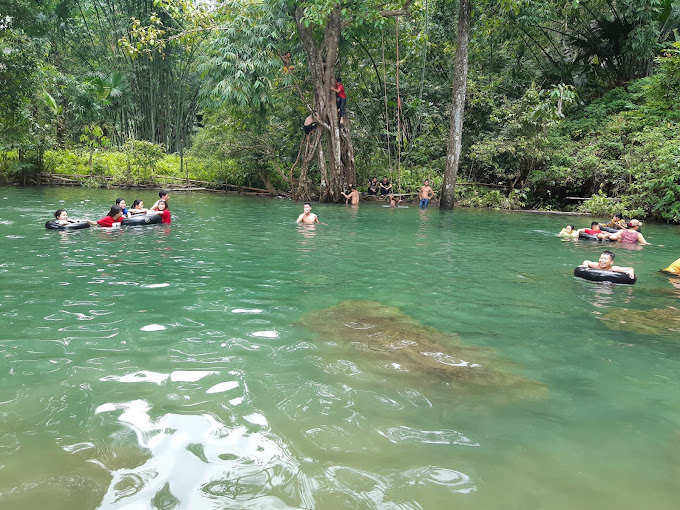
(404, 11)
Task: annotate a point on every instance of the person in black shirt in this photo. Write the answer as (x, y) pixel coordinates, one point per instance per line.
(385, 187)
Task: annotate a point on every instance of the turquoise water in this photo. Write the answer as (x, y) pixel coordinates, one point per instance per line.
(175, 366)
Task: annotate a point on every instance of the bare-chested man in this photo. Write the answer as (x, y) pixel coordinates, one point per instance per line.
(425, 195)
(307, 216)
(606, 264)
(353, 196)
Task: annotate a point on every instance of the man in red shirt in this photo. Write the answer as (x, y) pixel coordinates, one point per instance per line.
(594, 230)
(340, 98)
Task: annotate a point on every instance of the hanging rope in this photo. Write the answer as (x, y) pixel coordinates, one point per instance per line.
(422, 73)
(387, 116)
(419, 117)
(399, 126)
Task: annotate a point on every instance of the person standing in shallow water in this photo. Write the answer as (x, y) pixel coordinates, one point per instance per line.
(425, 195)
(307, 215)
(353, 196)
(630, 234)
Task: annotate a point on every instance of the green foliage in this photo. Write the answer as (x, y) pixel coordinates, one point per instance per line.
(479, 196)
(142, 157)
(93, 137)
(517, 146)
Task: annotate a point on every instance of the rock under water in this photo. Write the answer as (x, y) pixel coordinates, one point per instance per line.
(390, 342)
(654, 322)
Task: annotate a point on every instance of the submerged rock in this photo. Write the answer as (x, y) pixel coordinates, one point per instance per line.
(654, 322)
(392, 342)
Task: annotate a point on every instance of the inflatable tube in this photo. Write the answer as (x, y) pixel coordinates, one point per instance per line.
(598, 275)
(75, 225)
(611, 230)
(590, 237)
(142, 219)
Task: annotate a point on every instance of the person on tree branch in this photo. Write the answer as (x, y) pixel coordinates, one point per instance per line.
(310, 124)
(286, 62)
(340, 98)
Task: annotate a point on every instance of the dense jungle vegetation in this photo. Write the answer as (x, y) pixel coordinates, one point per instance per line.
(563, 99)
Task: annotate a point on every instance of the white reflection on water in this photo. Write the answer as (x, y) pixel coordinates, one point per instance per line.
(197, 462)
(158, 378)
(153, 327)
(222, 387)
(265, 334)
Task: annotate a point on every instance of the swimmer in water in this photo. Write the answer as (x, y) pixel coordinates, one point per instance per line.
(307, 215)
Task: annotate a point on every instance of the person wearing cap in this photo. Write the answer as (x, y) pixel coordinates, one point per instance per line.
(630, 234)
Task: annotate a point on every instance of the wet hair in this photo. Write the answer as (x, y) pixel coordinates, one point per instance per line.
(572, 226)
(594, 224)
(307, 203)
(162, 193)
(115, 210)
(58, 213)
(119, 200)
(618, 215)
(136, 203)
(164, 202)
(610, 253)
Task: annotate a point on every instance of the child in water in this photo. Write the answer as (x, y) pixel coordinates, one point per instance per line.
(568, 231)
(138, 207)
(163, 211)
(61, 217)
(112, 219)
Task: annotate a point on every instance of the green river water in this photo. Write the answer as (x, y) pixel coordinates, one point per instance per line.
(391, 359)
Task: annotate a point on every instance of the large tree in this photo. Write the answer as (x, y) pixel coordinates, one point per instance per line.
(458, 106)
(244, 61)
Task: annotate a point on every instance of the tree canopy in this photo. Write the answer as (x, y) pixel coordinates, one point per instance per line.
(229, 83)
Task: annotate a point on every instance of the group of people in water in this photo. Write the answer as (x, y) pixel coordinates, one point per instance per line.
(119, 212)
(617, 230)
(626, 232)
(375, 188)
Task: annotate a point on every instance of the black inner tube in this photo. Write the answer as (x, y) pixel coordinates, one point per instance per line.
(598, 275)
(142, 219)
(74, 225)
(590, 237)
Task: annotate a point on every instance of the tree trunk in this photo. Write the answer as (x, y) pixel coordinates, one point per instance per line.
(458, 106)
(322, 58)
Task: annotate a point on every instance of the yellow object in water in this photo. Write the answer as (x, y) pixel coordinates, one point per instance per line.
(674, 267)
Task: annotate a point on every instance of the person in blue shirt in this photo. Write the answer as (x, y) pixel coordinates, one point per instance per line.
(120, 202)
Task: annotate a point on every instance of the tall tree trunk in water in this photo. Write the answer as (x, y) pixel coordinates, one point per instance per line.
(322, 58)
(458, 106)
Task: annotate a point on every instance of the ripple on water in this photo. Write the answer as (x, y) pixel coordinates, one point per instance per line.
(396, 489)
(410, 435)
